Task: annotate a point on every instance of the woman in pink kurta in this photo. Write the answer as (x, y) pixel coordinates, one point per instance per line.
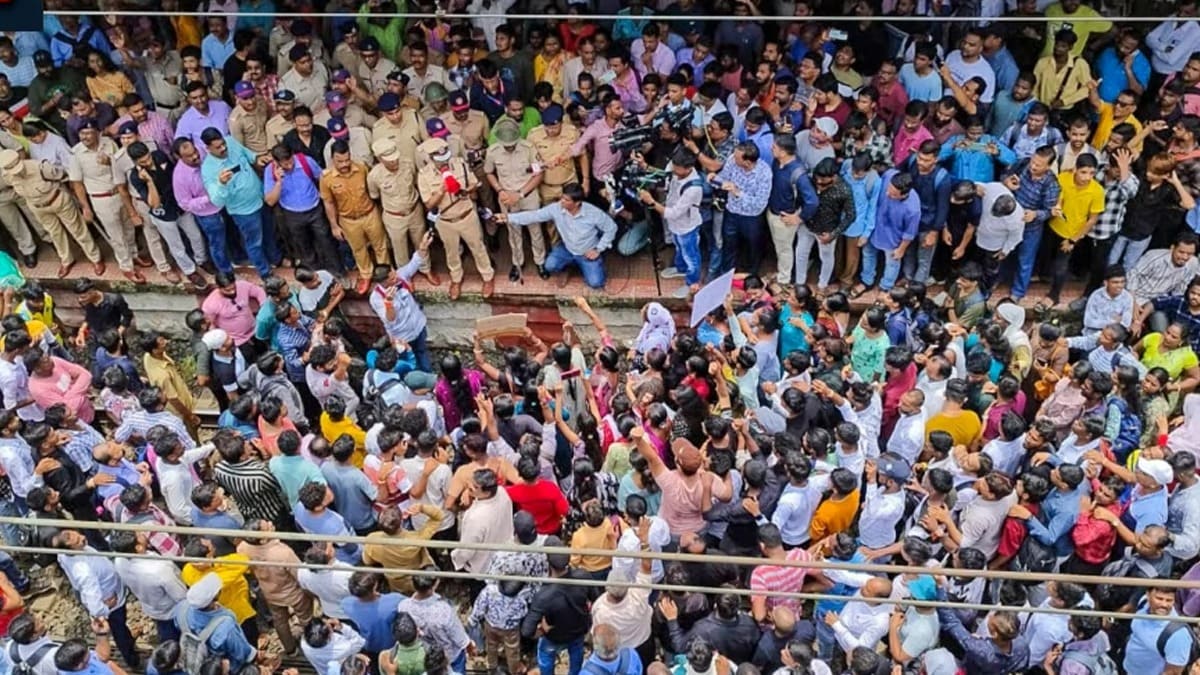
(53, 380)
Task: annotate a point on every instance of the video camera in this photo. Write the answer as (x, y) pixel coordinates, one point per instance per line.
(633, 179)
(632, 136)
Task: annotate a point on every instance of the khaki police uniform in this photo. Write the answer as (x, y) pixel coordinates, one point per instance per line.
(354, 116)
(513, 170)
(456, 150)
(17, 219)
(283, 62)
(345, 56)
(357, 216)
(457, 220)
(250, 128)
(95, 171)
(309, 91)
(375, 79)
(41, 185)
(360, 148)
(407, 135)
(554, 156)
(473, 133)
(278, 127)
(403, 213)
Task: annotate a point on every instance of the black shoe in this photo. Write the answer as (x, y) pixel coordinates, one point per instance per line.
(30, 260)
(514, 274)
(542, 272)
(492, 241)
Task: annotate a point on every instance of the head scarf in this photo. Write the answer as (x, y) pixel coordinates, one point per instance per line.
(657, 331)
(1014, 315)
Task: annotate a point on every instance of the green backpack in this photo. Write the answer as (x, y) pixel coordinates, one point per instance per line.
(409, 660)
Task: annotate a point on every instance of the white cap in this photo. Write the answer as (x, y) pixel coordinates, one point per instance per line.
(214, 339)
(1158, 469)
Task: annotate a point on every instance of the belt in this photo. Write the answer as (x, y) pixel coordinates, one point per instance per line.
(102, 194)
(49, 200)
(165, 106)
(360, 216)
(400, 214)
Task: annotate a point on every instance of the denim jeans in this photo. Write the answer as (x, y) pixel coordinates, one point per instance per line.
(213, 227)
(547, 654)
(710, 241)
(14, 535)
(1127, 252)
(1027, 254)
(687, 256)
(891, 267)
(560, 259)
(826, 638)
(251, 225)
(14, 574)
(918, 260)
(420, 350)
(636, 238)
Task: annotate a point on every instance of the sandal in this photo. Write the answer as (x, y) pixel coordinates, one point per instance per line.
(858, 291)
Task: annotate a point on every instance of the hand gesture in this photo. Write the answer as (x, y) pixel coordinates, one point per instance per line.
(667, 606)
(831, 618)
(225, 176)
(277, 171)
(100, 624)
(45, 466)
(645, 196)
(750, 504)
(426, 242)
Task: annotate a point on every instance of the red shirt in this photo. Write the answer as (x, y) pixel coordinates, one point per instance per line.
(1094, 539)
(1013, 533)
(544, 501)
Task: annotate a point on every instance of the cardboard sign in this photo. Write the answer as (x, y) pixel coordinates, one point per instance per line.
(501, 325)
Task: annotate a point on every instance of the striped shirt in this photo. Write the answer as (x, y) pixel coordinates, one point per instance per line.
(254, 490)
(1102, 360)
(139, 422)
(294, 341)
(164, 543)
(1156, 275)
(781, 578)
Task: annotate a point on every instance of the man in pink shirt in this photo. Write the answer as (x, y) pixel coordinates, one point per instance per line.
(233, 306)
(602, 161)
(53, 380)
(911, 134)
(651, 55)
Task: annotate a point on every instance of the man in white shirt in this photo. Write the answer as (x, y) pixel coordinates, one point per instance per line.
(177, 475)
(967, 62)
(488, 520)
(883, 506)
(1047, 630)
(863, 622)
(981, 521)
(330, 587)
(657, 537)
(32, 643)
(155, 583)
(908, 437)
(1173, 41)
(100, 589)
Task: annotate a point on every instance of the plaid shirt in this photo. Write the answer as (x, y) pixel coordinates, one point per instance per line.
(79, 446)
(266, 88)
(156, 128)
(163, 543)
(879, 149)
(138, 422)
(1116, 196)
(1176, 309)
(1037, 195)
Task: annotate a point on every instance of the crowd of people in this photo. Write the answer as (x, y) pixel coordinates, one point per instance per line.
(942, 430)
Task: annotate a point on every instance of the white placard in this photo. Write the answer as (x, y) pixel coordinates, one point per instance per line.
(711, 297)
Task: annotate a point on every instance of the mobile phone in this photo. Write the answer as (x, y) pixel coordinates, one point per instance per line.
(235, 168)
(838, 34)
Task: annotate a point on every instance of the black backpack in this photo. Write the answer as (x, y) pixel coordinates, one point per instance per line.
(1167, 633)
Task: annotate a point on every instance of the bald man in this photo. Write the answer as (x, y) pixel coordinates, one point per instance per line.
(863, 622)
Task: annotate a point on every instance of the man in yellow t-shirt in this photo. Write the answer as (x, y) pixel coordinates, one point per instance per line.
(1119, 111)
(1083, 20)
(1079, 207)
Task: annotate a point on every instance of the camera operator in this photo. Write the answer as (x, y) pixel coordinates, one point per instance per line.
(685, 193)
(602, 160)
(712, 144)
(651, 168)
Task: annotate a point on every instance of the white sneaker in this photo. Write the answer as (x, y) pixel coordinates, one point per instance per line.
(671, 273)
(682, 293)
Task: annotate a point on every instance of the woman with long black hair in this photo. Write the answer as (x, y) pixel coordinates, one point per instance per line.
(456, 390)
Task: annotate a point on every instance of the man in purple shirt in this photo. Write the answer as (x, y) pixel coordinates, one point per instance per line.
(202, 114)
(624, 80)
(897, 218)
(603, 161)
(193, 198)
(650, 54)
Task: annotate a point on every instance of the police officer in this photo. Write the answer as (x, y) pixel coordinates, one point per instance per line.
(248, 121)
(393, 181)
(447, 188)
(40, 184)
(373, 68)
(436, 128)
(471, 127)
(400, 125)
(509, 166)
(11, 209)
(138, 210)
(357, 138)
(397, 83)
(92, 179)
(281, 123)
(437, 101)
(353, 217)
